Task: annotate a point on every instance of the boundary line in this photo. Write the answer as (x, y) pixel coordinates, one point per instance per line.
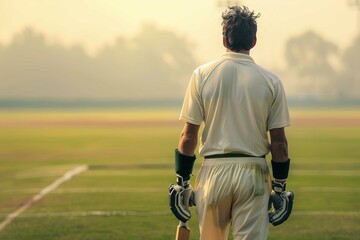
(67, 176)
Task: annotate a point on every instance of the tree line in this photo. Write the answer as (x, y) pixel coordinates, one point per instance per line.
(157, 64)
(320, 69)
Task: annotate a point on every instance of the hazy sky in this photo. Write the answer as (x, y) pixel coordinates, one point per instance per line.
(93, 23)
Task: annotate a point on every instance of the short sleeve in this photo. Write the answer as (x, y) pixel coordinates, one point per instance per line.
(192, 109)
(279, 113)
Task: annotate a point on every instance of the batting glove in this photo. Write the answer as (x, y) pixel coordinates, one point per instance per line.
(181, 197)
(280, 203)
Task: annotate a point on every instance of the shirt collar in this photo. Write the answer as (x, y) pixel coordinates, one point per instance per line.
(237, 56)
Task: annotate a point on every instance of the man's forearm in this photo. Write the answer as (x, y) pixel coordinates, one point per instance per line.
(279, 151)
(187, 144)
(188, 139)
(280, 159)
(279, 145)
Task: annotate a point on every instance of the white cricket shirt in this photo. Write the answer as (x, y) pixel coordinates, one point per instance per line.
(238, 102)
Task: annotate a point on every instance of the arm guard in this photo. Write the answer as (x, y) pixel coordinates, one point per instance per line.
(184, 165)
(280, 169)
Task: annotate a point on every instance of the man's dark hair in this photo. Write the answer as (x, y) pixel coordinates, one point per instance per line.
(239, 28)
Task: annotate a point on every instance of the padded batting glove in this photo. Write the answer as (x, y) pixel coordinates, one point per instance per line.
(280, 203)
(181, 197)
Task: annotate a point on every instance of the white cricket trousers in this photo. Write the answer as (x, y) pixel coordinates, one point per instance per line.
(233, 192)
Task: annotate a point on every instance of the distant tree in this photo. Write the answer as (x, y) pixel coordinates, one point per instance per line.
(309, 57)
(154, 64)
(32, 68)
(351, 73)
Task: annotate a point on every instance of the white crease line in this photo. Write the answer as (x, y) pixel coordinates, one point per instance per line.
(328, 213)
(67, 176)
(90, 190)
(109, 190)
(97, 213)
(329, 189)
(165, 213)
(161, 190)
(337, 173)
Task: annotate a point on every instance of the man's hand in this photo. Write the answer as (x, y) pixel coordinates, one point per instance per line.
(280, 203)
(181, 197)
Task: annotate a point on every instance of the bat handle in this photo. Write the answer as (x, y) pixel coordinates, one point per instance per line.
(184, 224)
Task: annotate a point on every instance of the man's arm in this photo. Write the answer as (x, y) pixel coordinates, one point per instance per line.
(181, 195)
(188, 139)
(279, 151)
(280, 199)
(279, 145)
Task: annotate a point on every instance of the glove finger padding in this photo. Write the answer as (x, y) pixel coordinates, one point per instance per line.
(192, 199)
(188, 196)
(280, 207)
(177, 195)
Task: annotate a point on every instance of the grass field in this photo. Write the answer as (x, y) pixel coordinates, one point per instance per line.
(128, 164)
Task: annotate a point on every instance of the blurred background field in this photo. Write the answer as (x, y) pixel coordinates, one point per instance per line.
(90, 92)
(129, 154)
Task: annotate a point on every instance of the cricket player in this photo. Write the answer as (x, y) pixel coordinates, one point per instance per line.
(238, 102)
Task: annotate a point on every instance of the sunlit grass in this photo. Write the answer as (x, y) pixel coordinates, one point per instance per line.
(324, 167)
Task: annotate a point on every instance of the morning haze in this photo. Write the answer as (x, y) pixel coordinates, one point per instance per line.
(116, 50)
(153, 65)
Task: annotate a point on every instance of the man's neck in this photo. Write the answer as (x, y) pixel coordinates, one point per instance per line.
(241, 51)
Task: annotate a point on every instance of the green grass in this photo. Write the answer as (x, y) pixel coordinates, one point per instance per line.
(325, 173)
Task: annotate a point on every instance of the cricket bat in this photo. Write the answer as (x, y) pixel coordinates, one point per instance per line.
(182, 231)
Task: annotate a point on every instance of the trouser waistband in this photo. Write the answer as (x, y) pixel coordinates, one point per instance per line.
(231, 155)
